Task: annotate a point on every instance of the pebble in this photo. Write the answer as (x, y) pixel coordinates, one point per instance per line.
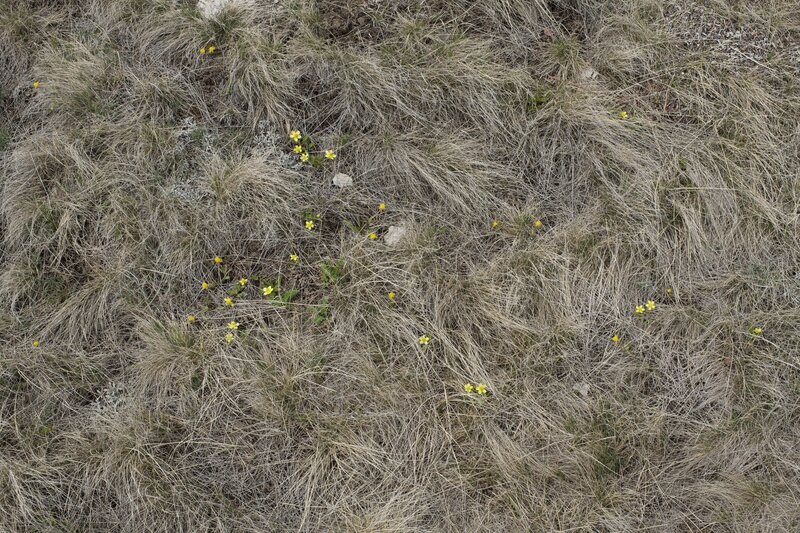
(342, 180)
(394, 235)
(582, 388)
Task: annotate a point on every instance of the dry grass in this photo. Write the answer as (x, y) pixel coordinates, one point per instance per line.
(137, 160)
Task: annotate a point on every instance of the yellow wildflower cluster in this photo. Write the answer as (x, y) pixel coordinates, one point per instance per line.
(311, 219)
(424, 340)
(301, 146)
(650, 305)
(232, 327)
(480, 388)
(239, 287)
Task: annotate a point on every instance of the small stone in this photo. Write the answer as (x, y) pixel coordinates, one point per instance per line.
(342, 180)
(212, 8)
(588, 73)
(394, 234)
(581, 388)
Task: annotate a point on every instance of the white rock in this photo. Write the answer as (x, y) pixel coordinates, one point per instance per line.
(211, 8)
(342, 180)
(394, 234)
(588, 73)
(582, 388)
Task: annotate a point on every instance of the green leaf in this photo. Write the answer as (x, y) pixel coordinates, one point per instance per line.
(235, 290)
(331, 270)
(289, 295)
(323, 312)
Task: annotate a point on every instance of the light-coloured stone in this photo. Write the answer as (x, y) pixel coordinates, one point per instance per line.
(581, 388)
(394, 235)
(588, 73)
(211, 8)
(342, 180)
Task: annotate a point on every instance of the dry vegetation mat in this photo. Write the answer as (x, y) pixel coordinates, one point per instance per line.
(372, 266)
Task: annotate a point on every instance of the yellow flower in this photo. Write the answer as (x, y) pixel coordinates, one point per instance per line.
(495, 223)
(202, 51)
(297, 149)
(217, 259)
(304, 157)
(615, 338)
(650, 305)
(537, 224)
(468, 387)
(293, 258)
(669, 291)
(372, 236)
(204, 285)
(36, 85)
(424, 340)
(295, 136)
(309, 225)
(243, 282)
(228, 301)
(191, 318)
(35, 344)
(757, 330)
(211, 49)
(229, 337)
(381, 206)
(639, 309)
(391, 295)
(480, 388)
(623, 115)
(233, 325)
(266, 291)
(330, 155)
